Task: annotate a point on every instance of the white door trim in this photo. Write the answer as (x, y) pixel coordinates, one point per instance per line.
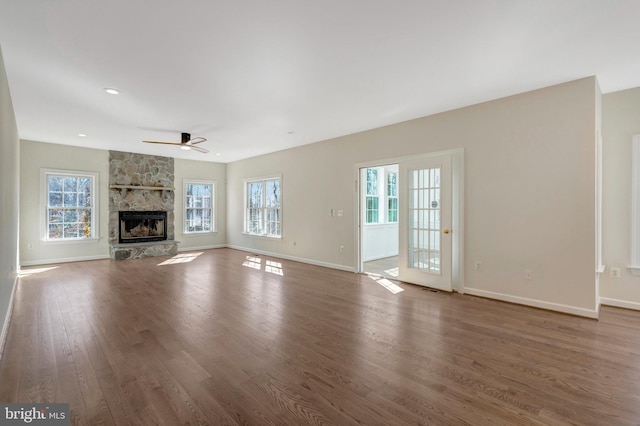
(457, 212)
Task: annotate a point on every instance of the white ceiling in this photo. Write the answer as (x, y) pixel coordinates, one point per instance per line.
(246, 73)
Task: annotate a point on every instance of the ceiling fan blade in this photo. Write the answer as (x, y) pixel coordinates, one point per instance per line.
(163, 143)
(187, 142)
(199, 139)
(197, 148)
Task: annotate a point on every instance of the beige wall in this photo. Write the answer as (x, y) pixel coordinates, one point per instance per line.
(620, 121)
(38, 155)
(9, 196)
(529, 193)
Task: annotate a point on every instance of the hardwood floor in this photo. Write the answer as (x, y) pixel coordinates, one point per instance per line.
(223, 337)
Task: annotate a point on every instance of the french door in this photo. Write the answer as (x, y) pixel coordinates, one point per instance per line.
(425, 217)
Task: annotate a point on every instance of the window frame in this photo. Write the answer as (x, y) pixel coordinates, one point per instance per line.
(212, 208)
(377, 195)
(391, 197)
(94, 177)
(263, 208)
(635, 206)
(372, 196)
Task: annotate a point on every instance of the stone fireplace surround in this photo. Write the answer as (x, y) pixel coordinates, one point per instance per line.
(140, 182)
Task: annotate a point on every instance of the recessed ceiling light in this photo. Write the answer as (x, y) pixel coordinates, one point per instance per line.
(82, 135)
(217, 153)
(111, 91)
(290, 132)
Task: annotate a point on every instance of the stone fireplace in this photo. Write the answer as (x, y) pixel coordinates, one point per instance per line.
(141, 205)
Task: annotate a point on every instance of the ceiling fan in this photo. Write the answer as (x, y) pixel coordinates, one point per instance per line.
(186, 144)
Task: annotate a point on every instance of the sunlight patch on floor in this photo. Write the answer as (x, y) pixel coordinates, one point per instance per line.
(393, 272)
(252, 262)
(391, 286)
(274, 267)
(33, 271)
(180, 258)
(270, 266)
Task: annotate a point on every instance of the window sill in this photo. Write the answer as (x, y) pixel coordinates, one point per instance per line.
(635, 270)
(195, 234)
(270, 237)
(71, 241)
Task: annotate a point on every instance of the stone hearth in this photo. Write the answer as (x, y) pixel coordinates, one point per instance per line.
(140, 250)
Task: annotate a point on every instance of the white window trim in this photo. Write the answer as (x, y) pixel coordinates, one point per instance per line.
(382, 196)
(388, 197)
(244, 225)
(635, 206)
(44, 204)
(379, 195)
(214, 206)
(599, 261)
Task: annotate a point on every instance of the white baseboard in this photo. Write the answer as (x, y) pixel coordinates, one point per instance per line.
(63, 260)
(5, 326)
(620, 303)
(294, 258)
(216, 246)
(567, 309)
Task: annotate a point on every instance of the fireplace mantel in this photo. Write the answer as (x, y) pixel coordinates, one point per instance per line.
(152, 188)
(125, 188)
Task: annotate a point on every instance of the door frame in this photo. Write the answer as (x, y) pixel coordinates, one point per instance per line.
(457, 210)
(362, 187)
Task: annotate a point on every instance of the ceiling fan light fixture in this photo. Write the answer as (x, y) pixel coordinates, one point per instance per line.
(186, 143)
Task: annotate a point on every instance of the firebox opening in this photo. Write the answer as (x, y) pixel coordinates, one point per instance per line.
(142, 226)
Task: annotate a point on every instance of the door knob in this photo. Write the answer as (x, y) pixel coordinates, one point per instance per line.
(446, 231)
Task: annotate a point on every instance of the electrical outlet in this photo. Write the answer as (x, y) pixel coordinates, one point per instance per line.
(528, 274)
(478, 265)
(615, 273)
(341, 249)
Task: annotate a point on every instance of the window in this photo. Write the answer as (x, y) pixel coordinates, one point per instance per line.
(71, 205)
(198, 206)
(380, 189)
(635, 205)
(392, 197)
(372, 199)
(263, 203)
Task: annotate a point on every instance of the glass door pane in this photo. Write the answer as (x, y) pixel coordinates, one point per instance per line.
(424, 220)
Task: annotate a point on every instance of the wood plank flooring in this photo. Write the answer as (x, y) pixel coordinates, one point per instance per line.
(224, 337)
